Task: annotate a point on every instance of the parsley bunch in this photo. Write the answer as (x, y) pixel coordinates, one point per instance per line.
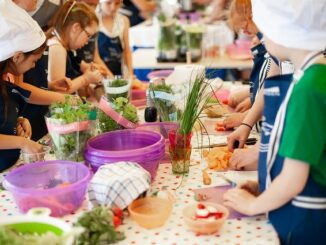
(125, 109)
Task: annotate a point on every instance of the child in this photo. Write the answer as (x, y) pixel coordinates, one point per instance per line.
(74, 24)
(113, 39)
(295, 171)
(240, 18)
(22, 42)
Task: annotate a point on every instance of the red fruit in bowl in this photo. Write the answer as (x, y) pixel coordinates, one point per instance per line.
(218, 215)
(201, 206)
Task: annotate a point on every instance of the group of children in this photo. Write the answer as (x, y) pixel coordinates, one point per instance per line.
(291, 185)
(84, 45)
(40, 68)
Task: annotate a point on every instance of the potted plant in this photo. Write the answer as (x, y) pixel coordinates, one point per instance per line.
(167, 48)
(122, 107)
(197, 97)
(194, 37)
(161, 96)
(117, 87)
(69, 126)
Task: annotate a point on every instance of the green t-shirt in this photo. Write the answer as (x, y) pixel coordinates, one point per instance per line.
(304, 136)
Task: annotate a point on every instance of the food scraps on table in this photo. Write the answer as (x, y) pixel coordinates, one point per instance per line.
(218, 158)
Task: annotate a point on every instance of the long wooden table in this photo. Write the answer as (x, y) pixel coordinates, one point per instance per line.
(146, 59)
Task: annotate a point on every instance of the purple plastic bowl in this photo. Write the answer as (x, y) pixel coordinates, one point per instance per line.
(142, 146)
(57, 185)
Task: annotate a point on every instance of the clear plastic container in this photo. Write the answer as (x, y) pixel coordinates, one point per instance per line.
(35, 157)
(58, 185)
(117, 87)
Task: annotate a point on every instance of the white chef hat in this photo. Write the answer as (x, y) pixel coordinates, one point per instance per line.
(18, 31)
(292, 23)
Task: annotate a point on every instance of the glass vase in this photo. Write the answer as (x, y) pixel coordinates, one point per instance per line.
(180, 151)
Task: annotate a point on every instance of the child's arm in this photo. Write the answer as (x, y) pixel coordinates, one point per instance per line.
(41, 96)
(289, 183)
(127, 51)
(242, 132)
(57, 70)
(17, 142)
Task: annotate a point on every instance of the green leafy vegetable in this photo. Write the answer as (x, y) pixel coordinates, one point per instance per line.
(99, 227)
(122, 106)
(69, 146)
(165, 107)
(116, 83)
(9, 236)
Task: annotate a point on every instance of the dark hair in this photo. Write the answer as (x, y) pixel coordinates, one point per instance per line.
(3, 66)
(73, 12)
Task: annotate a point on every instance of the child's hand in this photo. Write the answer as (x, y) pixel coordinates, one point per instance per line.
(31, 146)
(61, 85)
(234, 120)
(250, 186)
(93, 76)
(24, 128)
(240, 134)
(244, 159)
(240, 200)
(243, 105)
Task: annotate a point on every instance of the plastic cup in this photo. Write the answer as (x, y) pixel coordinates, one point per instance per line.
(35, 157)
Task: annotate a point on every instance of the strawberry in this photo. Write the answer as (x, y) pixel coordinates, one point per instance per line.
(117, 212)
(116, 221)
(201, 206)
(218, 215)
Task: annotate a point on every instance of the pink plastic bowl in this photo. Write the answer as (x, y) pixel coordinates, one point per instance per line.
(57, 185)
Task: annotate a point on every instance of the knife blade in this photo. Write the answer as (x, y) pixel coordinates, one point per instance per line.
(249, 141)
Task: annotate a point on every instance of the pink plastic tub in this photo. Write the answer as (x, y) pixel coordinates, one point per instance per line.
(141, 146)
(57, 185)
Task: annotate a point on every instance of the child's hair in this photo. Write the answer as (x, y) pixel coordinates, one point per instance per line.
(73, 12)
(3, 66)
(239, 8)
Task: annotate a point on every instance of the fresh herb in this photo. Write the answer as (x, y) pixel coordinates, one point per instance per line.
(167, 39)
(165, 106)
(100, 227)
(116, 83)
(194, 37)
(9, 236)
(69, 146)
(196, 100)
(124, 108)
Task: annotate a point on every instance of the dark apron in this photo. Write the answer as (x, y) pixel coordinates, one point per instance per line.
(8, 122)
(37, 77)
(261, 66)
(303, 219)
(111, 52)
(275, 90)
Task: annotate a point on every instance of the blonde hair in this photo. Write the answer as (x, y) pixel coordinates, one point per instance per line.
(239, 10)
(73, 12)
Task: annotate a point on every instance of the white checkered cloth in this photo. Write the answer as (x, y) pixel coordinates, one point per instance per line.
(118, 184)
